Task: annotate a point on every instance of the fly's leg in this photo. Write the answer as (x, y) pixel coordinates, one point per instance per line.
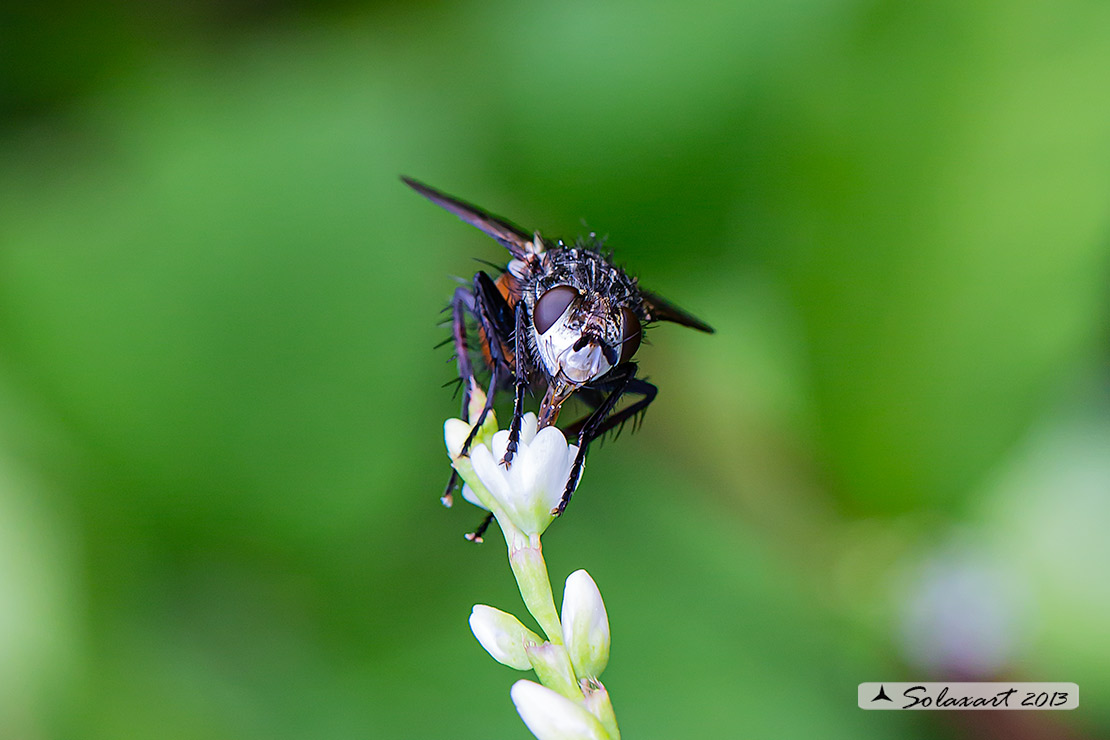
(493, 315)
(448, 497)
(476, 535)
(462, 302)
(495, 321)
(595, 424)
(521, 382)
(595, 397)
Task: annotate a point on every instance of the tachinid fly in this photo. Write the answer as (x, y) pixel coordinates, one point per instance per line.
(561, 320)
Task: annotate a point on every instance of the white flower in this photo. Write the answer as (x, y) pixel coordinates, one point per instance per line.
(532, 486)
(503, 636)
(585, 625)
(552, 716)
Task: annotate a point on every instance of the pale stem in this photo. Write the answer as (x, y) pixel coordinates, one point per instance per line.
(526, 560)
(552, 666)
(597, 701)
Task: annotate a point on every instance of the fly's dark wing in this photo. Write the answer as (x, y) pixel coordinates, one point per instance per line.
(660, 309)
(511, 236)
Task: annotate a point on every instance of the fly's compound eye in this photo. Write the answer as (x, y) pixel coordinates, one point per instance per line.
(551, 306)
(631, 333)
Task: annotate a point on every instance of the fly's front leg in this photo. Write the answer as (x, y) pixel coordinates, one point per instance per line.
(520, 349)
(594, 426)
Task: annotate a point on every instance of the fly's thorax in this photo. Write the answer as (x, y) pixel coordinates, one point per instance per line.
(531, 263)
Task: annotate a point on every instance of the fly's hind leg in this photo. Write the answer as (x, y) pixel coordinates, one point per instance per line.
(488, 307)
(495, 321)
(462, 302)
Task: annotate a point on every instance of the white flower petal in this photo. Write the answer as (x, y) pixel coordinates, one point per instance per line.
(522, 475)
(491, 474)
(499, 444)
(528, 505)
(528, 427)
(471, 497)
(552, 716)
(551, 445)
(585, 625)
(503, 636)
(454, 434)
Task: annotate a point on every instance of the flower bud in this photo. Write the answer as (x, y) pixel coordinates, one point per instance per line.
(503, 636)
(552, 716)
(585, 625)
(455, 431)
(454, 434)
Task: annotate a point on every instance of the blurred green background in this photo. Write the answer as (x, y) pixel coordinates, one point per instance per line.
(221, 413)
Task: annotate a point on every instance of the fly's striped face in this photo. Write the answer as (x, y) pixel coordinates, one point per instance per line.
(584, 316)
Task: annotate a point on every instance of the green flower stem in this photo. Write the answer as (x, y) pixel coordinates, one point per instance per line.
(525, 558)
(551, 661)
(597, 701)
(552, 666)
(530, 570)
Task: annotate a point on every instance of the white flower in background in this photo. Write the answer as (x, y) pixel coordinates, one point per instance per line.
(503, 636)
(585, 625)
(552, 716)
(964, 612)
(533, 484)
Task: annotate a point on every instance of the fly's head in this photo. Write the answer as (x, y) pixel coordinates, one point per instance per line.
(584, 318)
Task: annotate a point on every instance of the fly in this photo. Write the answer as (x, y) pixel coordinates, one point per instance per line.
(561, 320)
